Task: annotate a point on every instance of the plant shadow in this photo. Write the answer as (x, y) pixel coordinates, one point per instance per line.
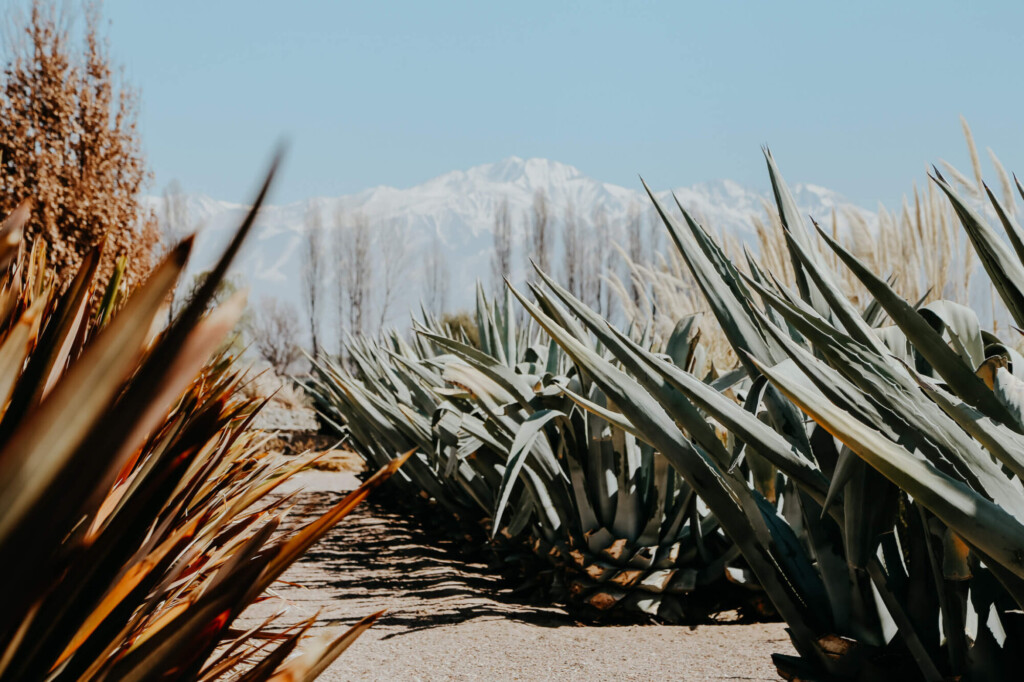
(388, 560)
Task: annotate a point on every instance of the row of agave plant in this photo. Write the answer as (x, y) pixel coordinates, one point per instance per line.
(869, 478)
(577, 509)
(136, 520)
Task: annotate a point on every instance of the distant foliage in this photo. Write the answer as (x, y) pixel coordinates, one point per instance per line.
(501, 261)
(275, 333)
(538, 234)
(462, 324)
(313, 275)
(69, 142)
(436, 277)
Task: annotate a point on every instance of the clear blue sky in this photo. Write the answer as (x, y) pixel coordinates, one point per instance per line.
(857, 98)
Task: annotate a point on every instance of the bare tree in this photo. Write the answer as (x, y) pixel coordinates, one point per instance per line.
(502, 259)
(275, 333)
(539, 238)
(436, 278)
(313, 274)
(595, 291)
(174, 226)
(656, 229)
(393, 254)
(572, 252)
(355, 272)
(634, 246)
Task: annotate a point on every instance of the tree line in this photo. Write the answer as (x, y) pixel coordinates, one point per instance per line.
(356, 269)
(586, 250)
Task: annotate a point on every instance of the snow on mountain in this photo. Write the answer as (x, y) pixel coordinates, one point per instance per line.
(459, 208)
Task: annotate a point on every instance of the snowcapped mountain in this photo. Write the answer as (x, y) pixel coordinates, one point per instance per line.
(458, 208)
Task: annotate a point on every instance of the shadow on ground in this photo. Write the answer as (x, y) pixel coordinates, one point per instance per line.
(389, 561)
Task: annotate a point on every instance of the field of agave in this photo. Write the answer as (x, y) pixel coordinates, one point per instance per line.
(860, 469)
(579, 509)
(136, 514)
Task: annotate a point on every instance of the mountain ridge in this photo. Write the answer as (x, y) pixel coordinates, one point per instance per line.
(458, 207)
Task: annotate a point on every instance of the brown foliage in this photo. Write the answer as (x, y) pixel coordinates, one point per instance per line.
(69, 142)
(463, 321)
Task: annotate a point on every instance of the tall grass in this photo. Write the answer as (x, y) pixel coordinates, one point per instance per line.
(919, 248)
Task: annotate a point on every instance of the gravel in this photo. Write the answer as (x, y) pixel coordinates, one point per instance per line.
(448, 619)
(275, 417)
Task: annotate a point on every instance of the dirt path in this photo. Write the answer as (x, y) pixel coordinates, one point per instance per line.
(451, 620)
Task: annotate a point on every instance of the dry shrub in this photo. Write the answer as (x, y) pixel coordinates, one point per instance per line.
(464, 322)
(69, 142)
(275, 333)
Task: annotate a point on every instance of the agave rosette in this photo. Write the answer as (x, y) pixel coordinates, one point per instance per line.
(582, 508)
(892, 547)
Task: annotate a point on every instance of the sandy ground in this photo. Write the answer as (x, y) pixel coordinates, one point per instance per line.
(448, 619)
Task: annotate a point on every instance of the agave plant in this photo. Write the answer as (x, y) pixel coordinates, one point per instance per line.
(135, 522)
(894, 546)
(585, 509)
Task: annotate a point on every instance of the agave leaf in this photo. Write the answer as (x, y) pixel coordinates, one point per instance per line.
(727, 272)
(60, 335)
(941, 440)
(726, 496)
(1009, 390)
(114, 431)
(848, 466)
(508, 319)
(552, 501)
(495, 371)
(676, 403)
(522, 445)
(758, 275)
(181, 643)
(199, 345)
(979, 521)
(1013, 230)
(927, 342)
(318, 657)
(837, 302)
(629, 504)
(1005, 271)
(797, 236)
(746, 426)
(265, 667)
(895, 608)
(488, 393)
(728, 380)
(896, 342)
(16, 347)
(962, 326)
(112, 294)
(35, 453)
(611, 416)
(11, 231)
(732, 313)
(1004, 444)
(129, 581)
(683, 340)
(556, 312)
(753, 400)
(874, 314)
(228, 659)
